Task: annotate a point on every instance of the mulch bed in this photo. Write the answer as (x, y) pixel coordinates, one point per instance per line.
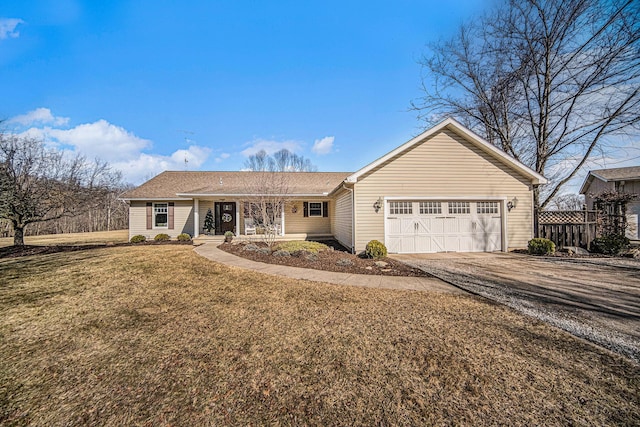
(338, 260)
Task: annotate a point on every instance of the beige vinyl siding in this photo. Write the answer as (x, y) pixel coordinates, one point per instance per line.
(182, 220)
(296, 223)
(343, 219)
(203, 207)
(444, 166)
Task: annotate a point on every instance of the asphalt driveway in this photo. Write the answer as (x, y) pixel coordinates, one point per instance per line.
(593, 298)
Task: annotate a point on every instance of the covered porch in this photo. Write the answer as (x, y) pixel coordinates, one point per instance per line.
(297, 219)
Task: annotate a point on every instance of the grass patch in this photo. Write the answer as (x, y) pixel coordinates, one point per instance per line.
(156, 335)
(301, 245)
(98, 237)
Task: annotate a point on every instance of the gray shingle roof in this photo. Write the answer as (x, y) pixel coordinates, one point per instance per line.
(171, 184)
(617, 174)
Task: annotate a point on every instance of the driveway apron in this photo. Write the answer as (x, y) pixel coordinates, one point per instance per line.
(593, 298)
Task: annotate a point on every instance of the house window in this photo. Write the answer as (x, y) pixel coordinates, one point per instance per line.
(459, 208)
(315, 208)
(487, 207)
(161, 215)
(400, 208)
(430, 208)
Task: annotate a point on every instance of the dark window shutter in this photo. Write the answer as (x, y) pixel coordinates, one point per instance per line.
(305, 209)
(325, 209)
(171, 215)
(149, 215)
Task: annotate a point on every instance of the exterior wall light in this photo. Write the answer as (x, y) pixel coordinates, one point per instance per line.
(378, 204)
(294, 209)
(512, 203)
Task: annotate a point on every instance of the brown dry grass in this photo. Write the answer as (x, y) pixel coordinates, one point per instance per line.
(156, 335)
(117, 236)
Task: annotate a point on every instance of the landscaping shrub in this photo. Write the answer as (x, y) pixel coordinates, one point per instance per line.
(162, 237)
(375, 249)
(138, 238)
(301, 245)
(540, 246)
(184, 237)
(609, 244)
(281, 253)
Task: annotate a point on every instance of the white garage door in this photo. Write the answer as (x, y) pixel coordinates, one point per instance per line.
(443, 226)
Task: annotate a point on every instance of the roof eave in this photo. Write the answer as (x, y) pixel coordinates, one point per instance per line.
(127, 199)
(193, 195)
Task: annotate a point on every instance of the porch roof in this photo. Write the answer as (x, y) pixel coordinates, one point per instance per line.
(172, 184)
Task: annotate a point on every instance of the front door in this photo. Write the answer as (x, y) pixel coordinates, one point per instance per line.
(225, 217)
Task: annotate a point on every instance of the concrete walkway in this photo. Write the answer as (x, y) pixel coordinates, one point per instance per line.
(211, 251)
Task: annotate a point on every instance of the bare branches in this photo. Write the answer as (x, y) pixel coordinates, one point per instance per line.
(547, 81)
(40, 184)
(283, 161)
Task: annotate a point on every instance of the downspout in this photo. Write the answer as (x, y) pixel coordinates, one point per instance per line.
(353, 218)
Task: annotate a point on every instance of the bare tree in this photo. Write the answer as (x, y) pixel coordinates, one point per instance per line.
(547, 81)
(39, 184)
(283, 160)
(270, 181)
(566, 202)
(269, 190)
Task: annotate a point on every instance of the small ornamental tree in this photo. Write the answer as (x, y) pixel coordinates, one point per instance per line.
(612, 211)
(208, 221)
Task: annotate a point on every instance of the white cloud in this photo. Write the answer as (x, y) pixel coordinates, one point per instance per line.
(324, 145)
(8, 28)
(101, 139)
(39, 116)
(108, 142)
(144, 166)
(269, 146)
(222, 157)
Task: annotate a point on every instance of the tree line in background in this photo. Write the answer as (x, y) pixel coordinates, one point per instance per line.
(45, 191)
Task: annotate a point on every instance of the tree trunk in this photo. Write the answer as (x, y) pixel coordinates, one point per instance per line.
(18, 235)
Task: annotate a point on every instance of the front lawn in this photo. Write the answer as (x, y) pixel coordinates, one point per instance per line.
(156, 335)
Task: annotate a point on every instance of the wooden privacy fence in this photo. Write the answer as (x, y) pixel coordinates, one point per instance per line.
(568, 228)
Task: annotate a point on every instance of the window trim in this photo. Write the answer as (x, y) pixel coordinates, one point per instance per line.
(316, 215)
(154, 223)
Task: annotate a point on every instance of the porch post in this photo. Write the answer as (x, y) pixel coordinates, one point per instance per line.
(196, 217)
(282, 219)
(238, 218)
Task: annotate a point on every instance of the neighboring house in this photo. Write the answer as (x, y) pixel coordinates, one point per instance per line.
(445, 190)
(623, 180)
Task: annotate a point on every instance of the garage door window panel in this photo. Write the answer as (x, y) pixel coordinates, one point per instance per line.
(430, 208)
(459, 208)
(487, 208)
(401, 208)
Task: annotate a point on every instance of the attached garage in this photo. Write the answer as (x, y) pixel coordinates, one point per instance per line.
(428, 226)
(446, 190)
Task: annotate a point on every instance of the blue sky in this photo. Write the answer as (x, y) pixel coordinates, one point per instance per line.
(146, 84)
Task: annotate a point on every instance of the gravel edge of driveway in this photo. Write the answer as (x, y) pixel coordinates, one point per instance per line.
(619, 343)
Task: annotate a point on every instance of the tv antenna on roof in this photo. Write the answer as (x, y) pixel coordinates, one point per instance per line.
(187, 142)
